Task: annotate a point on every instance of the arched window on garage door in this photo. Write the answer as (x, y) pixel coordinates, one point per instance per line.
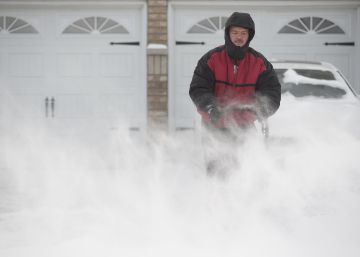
(14, 25)
(311, 25)
(95, 25)
(209, 25)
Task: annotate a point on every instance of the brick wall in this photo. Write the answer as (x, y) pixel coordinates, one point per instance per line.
(157, 21)
(157, 63)
(157, 86)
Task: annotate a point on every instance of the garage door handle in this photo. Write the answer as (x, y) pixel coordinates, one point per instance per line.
(340, 44)
(125, 43)
(189, 43)
(46, 107)
(52, 105)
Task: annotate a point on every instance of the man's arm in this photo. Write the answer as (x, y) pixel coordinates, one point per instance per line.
(268, 91)
(202, 86)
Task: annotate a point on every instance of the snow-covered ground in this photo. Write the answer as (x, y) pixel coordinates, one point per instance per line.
(297, 195)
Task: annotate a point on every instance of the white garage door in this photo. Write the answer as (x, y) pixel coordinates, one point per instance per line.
(73, 70)
(321, 34)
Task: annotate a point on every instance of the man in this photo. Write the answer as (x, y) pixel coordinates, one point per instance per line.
(232, 76)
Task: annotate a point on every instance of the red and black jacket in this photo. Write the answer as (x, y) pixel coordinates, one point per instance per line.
(220, 80)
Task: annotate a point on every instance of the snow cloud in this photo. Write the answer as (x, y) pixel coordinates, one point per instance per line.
(123, 193)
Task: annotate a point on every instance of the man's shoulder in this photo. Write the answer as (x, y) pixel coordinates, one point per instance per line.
(259, 56)
(256, 53)
(213, 51)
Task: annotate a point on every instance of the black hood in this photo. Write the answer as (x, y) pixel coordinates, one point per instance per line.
(240, 20)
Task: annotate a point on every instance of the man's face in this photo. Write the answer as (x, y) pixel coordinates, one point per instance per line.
(238, 35)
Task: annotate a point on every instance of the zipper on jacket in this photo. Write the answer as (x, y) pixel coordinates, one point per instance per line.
(236, 68)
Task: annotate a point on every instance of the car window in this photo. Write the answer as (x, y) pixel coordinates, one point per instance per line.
(302, 90)
(316, 74)
(309, 82)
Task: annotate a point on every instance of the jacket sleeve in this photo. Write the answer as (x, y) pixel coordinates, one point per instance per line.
(202, 86)
(268, 91)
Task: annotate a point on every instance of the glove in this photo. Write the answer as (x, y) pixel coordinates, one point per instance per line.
(214, 115)
(244, 118)
(262, 106)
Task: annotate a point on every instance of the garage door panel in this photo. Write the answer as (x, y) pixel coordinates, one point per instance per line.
(187, 58)
(117, 106)
(24, 85)
(124, 86)
(25, 106)
(76, 85)
(183, 88)
(94, 86)
(25, 65)
(2, 65)
(73, 106)
(287, 56)
(185, 112)
(185, 107)
(188, 62)
(343, 62)
(74, 64)
(117, 64)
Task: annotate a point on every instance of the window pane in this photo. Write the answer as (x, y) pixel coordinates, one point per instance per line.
(109, 24)
(118, 29)
(197, 29)
(100, 21)
(306, 21)
(216, 21)
(288, 30)
(18, 24)
(325, 24)
(2, 22)
(82, 24)
(9, 21)
(316, 21)
(223, 21)
(297, 24)
(74, 30)
(91, 21)
(29, 29)
(333, 30)
(206, 23)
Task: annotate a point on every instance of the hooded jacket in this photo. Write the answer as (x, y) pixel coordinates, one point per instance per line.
(231, 75)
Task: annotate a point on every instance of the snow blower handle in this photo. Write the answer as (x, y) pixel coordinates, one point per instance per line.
(251, 108)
